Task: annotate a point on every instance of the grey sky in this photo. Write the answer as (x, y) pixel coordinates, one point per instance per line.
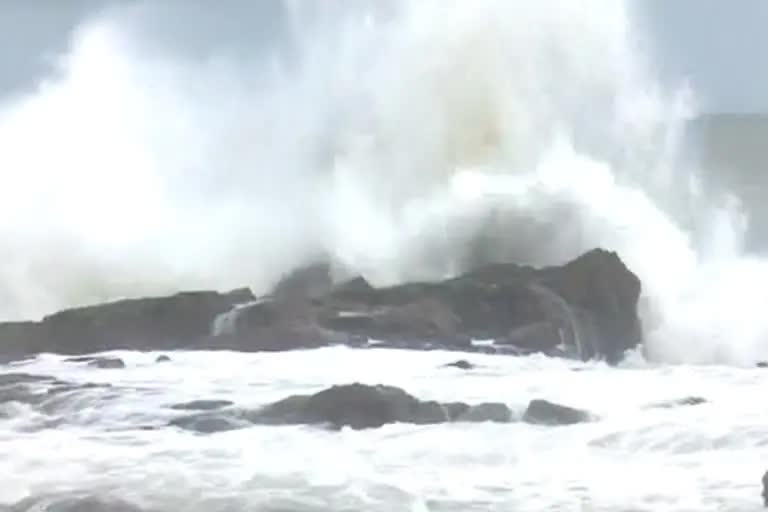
(717, 45)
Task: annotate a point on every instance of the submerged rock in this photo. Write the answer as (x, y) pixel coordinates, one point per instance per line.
(202, 405)
(107, 363)
(73, 504)
(491, 412)
(80, 359)
(210, 423)
(7, 379)
(542, 412)
(461, 364)
(687, 401)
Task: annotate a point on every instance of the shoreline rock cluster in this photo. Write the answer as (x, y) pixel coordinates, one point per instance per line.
(360, 406)
(586, 308)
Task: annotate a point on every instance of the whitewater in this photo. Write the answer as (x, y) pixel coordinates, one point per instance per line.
(95, 442)
(403, 140)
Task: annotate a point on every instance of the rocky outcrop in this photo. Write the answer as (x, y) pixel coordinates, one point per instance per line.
(158, 323)
(106, 363)
(586, 308)
(357, 406)
(542, 412)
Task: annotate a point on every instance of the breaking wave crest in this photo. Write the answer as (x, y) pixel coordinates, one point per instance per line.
(407, 140)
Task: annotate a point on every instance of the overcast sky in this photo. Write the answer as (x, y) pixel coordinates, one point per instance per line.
(718, 45)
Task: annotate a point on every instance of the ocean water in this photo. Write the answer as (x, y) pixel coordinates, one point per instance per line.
(707, 457)
(403, 140)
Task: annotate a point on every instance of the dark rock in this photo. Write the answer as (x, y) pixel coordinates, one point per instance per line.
(163, 359)
(74, 504)
(20, 393)
(588, 306)
(354, 405)
(689, 400)
(762, 364)
(18, 339)
(7, 379)
(765, 489)
(81, 359)
(604, 293)
(276, 325)
(110, 363)
(494, 412)
(427, 413)
(461, 364)
(533, 336)
(361, 406)
(454, 410)
(210, 423)
(202, 405)
(177, 321)
(66, 387)
(542, 412)
(35, 389)
(357, 406)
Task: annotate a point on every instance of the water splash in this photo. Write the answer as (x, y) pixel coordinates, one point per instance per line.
(408, 140)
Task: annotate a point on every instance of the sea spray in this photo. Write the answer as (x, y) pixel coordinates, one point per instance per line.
(396, 139)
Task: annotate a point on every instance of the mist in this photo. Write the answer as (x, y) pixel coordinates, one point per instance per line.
(178, 147)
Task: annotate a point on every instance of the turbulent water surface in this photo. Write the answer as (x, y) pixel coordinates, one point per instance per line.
(97, 442)
(405, 140)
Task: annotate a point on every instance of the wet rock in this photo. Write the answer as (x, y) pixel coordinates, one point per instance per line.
(163, 359)
(589, 305)
(361, 406)
(492, 412)
(461, 364)
(66, 387)
(202, 405)
(74, 504)
(7, 379)
(21, 393)
(687, 401)
(765, 489)
(542, 412)
(80, 359)
(454, 410)
(182, 320)
(210, 423)
(357, 406)
(107, 363)
(533, 336)
(37, 389)
(353, 405)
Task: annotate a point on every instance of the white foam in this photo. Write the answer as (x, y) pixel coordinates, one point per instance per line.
(705, 457)
(386, 137)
